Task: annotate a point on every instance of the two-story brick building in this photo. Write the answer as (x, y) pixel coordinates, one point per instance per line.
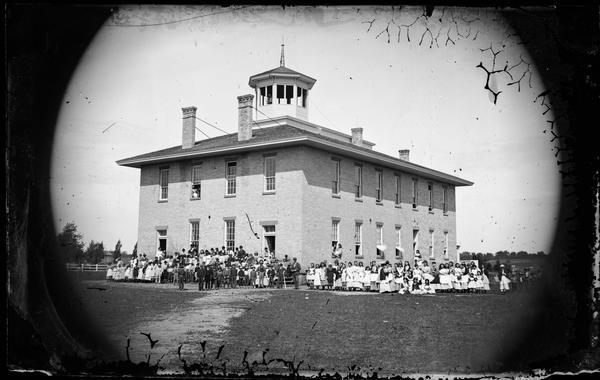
(293, 186)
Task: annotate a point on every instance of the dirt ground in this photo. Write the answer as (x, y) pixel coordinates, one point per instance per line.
(331, 331)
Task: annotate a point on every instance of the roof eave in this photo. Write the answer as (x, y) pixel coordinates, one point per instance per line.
(372, 157)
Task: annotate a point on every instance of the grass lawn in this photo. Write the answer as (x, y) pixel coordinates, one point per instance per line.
(388, 333)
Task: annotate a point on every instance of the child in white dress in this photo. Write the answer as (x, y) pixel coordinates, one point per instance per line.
(317, 278)
(485, 282)
(427, 288)
(416, 287)
(504, 281)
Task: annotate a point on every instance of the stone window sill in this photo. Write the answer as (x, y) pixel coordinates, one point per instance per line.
(379, 203)
(163, 200)
(229, 195)
(268, 193)
(336, 196)
(358, 199)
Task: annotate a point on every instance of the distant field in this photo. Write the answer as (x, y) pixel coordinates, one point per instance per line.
(387, 333)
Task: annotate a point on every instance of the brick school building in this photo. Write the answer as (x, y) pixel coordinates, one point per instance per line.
(293, 187)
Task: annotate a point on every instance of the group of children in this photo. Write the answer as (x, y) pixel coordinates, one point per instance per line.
(419, 278)
(210, 269)
(217, 268)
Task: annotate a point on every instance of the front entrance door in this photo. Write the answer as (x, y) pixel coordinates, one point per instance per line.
(269, 237)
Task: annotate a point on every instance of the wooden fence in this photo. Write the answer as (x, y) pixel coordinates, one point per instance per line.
(87, 267)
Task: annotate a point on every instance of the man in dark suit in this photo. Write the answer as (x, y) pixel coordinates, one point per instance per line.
(201, 272)
(208, 279)
(295, 272)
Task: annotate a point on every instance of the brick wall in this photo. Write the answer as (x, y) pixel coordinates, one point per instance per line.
(282, 207)
(302, 207)
(320, 207)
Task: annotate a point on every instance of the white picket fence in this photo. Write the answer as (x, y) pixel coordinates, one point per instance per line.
(87, 267)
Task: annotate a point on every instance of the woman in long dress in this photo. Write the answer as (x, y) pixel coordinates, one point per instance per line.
(456, 281)
(464, 281)
(350, 276)
(310, 276)
(504, 281)
(384, 285)
(337, 282)
(485, 281)
(318, 277)
(359, 275)
(398, 280)
(366, 280)
(374, 277)
(426, 272)
(344, 277)
(445, 279)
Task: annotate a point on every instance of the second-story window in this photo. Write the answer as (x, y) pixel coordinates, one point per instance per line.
(430, 193)
(415, 192)
(163, 181)
(358, 181)
(335, 180)
(196, 185)
(270, 173)
(445, 199)
(398, 192)
(231, 178)
(379, 185)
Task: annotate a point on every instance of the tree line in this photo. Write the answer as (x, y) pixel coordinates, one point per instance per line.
(480, 256)
(74, 250)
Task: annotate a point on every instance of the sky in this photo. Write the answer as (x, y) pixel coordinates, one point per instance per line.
(125, 99)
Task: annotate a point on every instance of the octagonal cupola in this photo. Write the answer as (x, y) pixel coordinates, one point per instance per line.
(281, 92)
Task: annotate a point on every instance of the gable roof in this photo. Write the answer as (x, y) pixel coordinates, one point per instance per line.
(281, 136)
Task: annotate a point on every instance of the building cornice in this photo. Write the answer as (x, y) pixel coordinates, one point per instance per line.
(330, 146)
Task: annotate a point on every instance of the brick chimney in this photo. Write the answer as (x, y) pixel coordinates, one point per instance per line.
(357, 136)
(245, 117)
(404, 154)
(188, 132)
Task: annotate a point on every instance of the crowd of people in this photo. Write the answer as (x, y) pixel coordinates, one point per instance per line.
(213, 268)
(220, 268)
(419, 278)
